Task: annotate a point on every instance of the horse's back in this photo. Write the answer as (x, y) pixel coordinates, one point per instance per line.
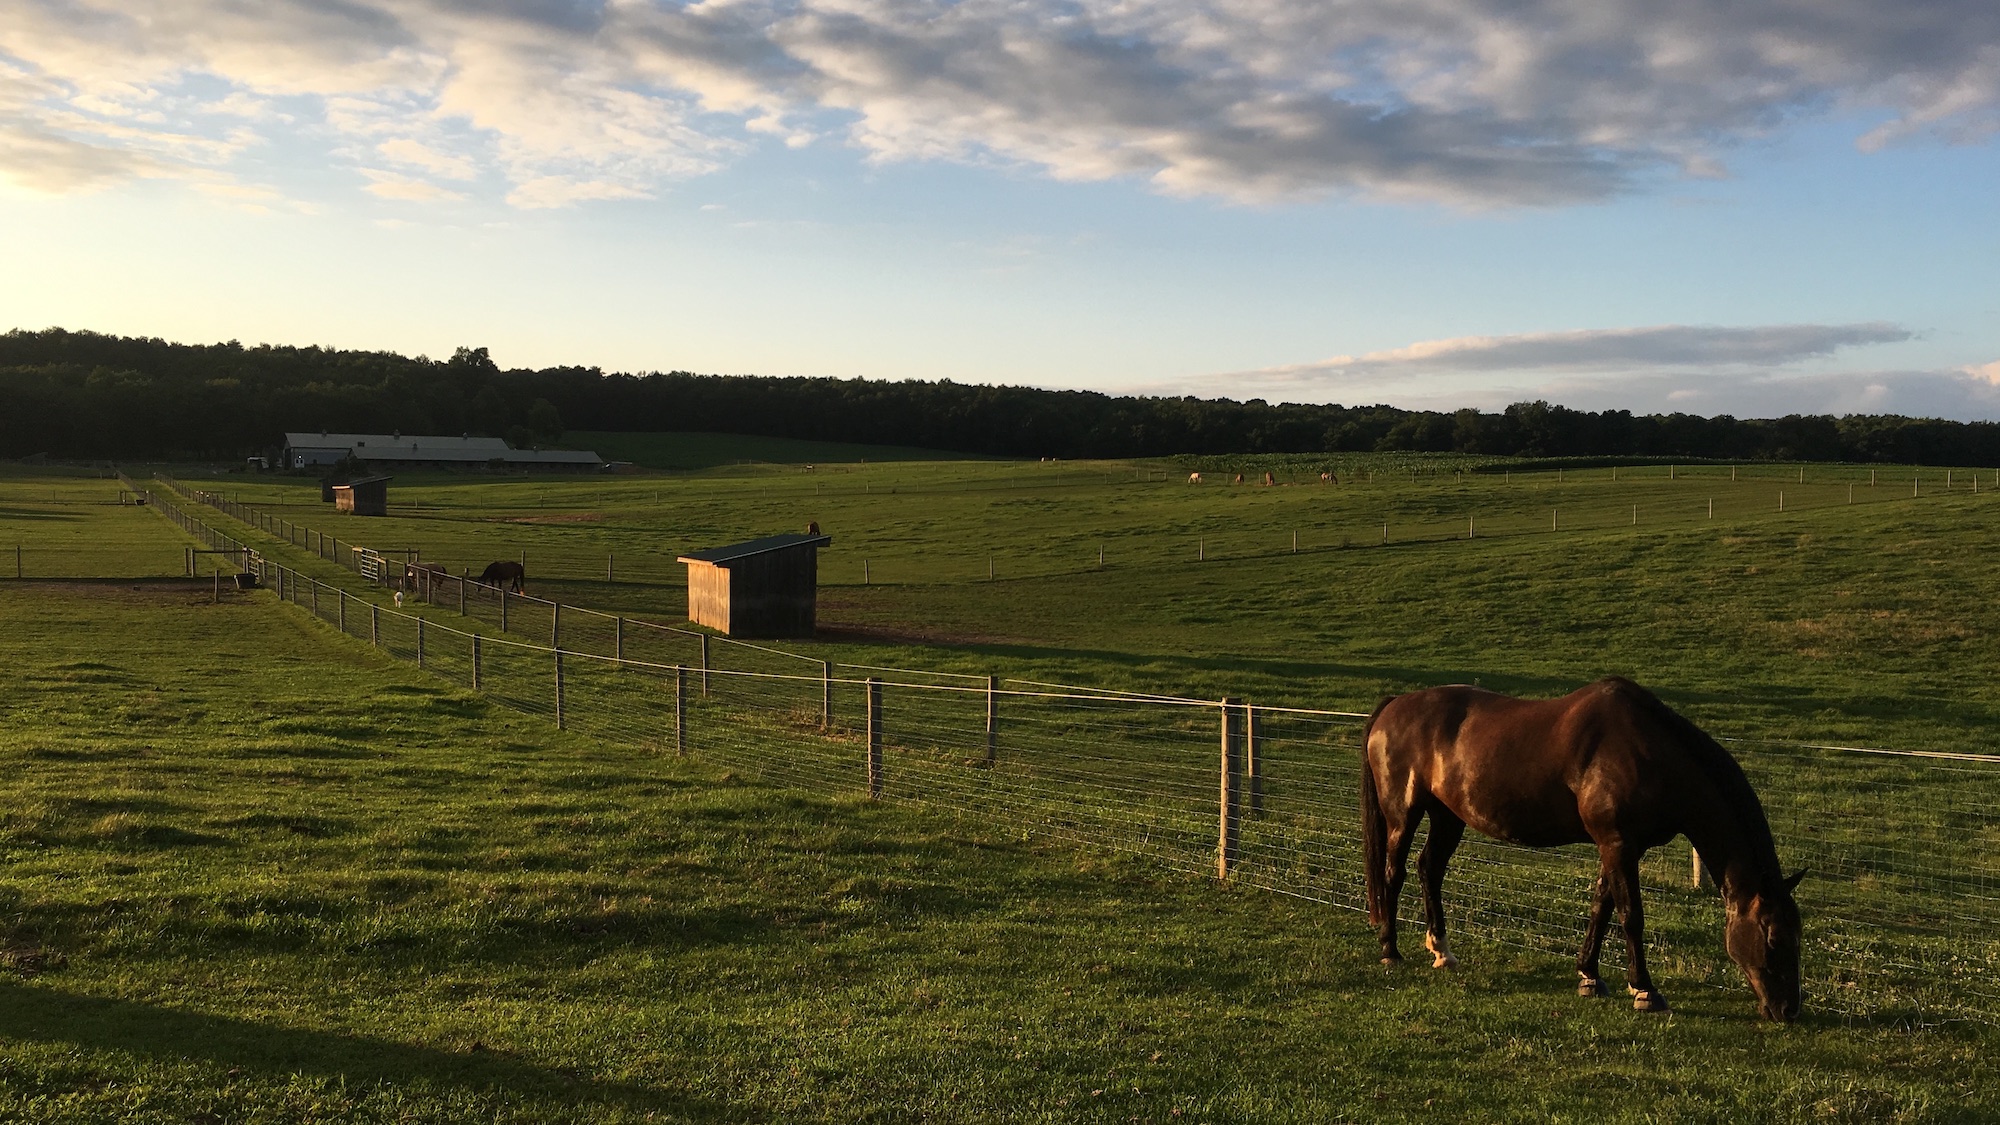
(1518, 769)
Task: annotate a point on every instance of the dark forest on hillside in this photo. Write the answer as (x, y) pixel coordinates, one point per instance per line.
(86, 395)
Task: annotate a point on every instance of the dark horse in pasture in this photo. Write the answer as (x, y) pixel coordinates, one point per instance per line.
(504, 575)
(1608, 764)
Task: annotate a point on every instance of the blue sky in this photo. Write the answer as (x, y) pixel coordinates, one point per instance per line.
(1745, 208)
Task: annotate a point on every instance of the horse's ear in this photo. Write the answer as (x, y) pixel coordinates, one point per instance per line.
(1792, 883)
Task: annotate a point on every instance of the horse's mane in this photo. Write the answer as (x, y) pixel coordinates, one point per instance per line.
(1724, 772)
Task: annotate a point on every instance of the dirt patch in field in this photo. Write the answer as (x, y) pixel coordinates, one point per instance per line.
(562, 517)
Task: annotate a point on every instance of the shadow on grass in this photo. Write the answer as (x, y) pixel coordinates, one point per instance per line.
(45, 1015)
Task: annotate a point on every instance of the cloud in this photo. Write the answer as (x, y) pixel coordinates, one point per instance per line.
(1746, 371)
(1464, 102)
(1604, 349)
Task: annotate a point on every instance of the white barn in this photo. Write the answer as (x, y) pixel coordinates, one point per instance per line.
(417, 451)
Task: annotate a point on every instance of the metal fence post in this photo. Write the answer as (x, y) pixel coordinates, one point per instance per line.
(992, 719)
(874, 738)
(1253, 770)
(826, 695)
(680, 709)
(420, 642)
(375, 625)
(704, 665)
(559, 690)
(475, 662)
(1228, 825)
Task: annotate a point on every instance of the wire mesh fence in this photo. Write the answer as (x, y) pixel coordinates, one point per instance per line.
(1900, 914)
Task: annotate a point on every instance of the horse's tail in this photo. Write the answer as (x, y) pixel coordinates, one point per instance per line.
(1374, 826)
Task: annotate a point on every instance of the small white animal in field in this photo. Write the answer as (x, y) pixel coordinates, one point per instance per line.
(1194, 478)
(399, 599)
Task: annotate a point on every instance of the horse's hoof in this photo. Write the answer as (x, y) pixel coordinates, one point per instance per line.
(1392, 960)
(1648, 1002)
(1590, 986)
(1445, 961)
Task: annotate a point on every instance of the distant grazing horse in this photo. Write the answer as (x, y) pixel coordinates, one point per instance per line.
(1239, 479)
(422, 578)
(1194, 478)
(1269, 480)
(504, 575)
(1607, 764)
(1326, 478)
(812, 527)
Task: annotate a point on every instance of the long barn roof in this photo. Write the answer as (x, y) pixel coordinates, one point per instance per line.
(723, 556)
(435, 447)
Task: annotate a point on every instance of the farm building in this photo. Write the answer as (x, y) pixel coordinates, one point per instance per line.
(413, 451)
(368, 496)
(764, 588)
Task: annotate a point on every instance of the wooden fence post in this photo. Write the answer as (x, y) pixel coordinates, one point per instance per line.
(315, 589)
(1697, 878)
(1228, 824)
(375, 625)
(461, 596)
(610, 560)
(704, 665)
(559, 690)
(680, 709)
(618, 640)
(826, 695)
(343, 610)
(475, 662)
(992, 719)
(555, 624)
(503, 608)
(420, 642)
(874, 738)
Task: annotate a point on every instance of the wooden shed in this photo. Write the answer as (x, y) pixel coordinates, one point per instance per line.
(368, 496)
(764, 588)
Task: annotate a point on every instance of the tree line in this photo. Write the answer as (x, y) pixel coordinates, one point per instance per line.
(88, 395)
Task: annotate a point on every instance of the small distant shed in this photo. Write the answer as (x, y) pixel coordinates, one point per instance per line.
(367, 496)
(764, 588)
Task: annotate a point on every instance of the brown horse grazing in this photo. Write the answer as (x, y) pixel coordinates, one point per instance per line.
(506, 575)
(1607, 764)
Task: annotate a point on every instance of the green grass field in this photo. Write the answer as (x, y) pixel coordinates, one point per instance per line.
(242, 886)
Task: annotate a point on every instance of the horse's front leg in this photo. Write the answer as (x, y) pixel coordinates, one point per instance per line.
(1446, 831)
(1632, 913)
(1402, 833)
(1588, 983)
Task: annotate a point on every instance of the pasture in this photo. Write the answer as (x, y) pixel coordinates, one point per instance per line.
(771, 951)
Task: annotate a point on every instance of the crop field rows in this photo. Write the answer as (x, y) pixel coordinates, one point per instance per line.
(1901, 912)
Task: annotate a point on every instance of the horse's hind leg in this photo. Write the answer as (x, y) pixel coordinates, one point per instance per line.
(1402, 831)
(1446, 831)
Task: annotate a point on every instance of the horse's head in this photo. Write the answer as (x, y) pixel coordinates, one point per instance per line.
(1763, 937)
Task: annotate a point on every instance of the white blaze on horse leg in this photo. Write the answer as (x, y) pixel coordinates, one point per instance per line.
(1440, 953)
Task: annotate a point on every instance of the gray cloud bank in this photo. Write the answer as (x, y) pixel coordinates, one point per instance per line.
(1753, 371)
(1465, 102)
(1670, 345)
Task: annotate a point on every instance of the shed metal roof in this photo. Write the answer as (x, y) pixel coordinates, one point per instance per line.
(358, 481)
(723, 556)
